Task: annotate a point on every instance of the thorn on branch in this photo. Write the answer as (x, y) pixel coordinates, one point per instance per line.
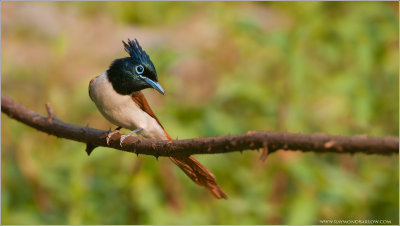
(89, 148)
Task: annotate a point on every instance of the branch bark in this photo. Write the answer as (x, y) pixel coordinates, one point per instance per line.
(253, 140)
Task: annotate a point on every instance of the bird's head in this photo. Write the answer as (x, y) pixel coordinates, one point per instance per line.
(134, 73)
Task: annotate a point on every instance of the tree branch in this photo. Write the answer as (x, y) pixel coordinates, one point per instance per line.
(253, 140)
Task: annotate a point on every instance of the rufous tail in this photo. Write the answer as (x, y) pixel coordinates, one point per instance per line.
(199, 174)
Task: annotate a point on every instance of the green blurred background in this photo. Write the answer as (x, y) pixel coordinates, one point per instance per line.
(227, 68)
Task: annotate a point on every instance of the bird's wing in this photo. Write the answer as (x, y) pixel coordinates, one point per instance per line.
(141, 101)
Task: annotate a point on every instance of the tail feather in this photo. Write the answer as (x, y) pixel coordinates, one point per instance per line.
(200, 175)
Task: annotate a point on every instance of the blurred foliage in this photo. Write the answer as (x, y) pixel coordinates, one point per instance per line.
(227, 67)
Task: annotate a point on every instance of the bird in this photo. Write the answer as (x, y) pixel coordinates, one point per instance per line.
(117, 95)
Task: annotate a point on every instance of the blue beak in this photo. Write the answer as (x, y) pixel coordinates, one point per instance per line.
(154, 84)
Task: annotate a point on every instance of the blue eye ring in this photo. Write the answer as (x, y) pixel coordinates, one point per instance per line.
(139, 69)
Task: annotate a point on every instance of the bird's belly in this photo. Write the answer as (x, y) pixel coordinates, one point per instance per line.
(120, 116)
(128, 115)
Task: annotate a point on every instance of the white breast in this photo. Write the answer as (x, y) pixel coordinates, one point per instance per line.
(121, 110)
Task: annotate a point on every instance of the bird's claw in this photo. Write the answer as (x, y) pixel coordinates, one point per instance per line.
(123, 137)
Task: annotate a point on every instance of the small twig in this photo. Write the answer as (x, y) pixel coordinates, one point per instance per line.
(264, 154)
(50, 113)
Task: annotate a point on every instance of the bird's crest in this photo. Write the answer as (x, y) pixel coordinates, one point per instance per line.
(136, 52)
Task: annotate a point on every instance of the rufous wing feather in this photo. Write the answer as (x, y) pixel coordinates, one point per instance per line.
(141, 101)
(190, 166)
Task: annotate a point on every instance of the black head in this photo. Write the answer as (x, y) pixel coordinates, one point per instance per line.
(134, 73)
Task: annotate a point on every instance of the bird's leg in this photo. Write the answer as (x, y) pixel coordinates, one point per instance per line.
(110, 134)
(123, 137)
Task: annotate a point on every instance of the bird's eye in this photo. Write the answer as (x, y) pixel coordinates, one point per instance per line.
(139, 69)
